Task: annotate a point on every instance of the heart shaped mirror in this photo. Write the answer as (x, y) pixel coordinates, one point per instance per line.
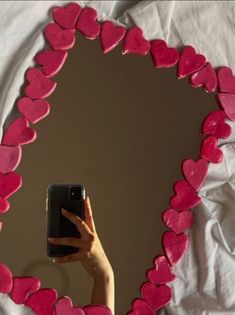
(120, 125)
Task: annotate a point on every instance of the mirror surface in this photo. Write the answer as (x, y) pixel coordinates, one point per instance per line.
(121, 128)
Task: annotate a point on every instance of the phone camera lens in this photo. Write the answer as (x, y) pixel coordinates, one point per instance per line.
(75, 193)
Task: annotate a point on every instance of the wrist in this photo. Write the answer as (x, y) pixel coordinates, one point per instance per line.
(105, 275)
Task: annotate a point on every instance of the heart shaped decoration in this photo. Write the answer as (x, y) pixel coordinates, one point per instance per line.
(51, 61)
(205, 77)
(4, 206)
(195, 172)
(185, 197)
(178, 222)
(189, 62)
(111, 35)
(58, 38)
(210, 151)
(9, 158)
(215, 125)
(97, 309)
(23, 287)
(19, 132)
(140, 307)
(135, 42)
(87, 23)
(226, 80)
(34, 111)
(65, 306)
(156, 296)
(174, 245)
(66, 17)
(39, 85)
(9, 183)
(6, 281)
(162, 272)
(42, 301)
(227, 102)
(163, 56)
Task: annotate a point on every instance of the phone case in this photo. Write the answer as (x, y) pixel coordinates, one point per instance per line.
(57, 224)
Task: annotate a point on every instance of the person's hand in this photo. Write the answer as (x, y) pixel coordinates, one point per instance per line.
(91, 253)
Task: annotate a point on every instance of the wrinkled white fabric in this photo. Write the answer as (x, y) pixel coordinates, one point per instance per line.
(205, 283)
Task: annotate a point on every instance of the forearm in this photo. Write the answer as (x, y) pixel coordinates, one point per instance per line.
(103, 290)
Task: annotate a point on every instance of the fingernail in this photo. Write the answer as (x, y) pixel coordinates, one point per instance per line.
(53, 260)
(51, 239)
(64, 211)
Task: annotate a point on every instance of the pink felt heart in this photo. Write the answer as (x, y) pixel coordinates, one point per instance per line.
(156, 296)
(174, 245)
(189, 62)
(162, 272)
(227, 102)
(163, 56)
(65, 306)
(9, 183)
(6, 281)
(58, 38)
(111, 35)
(9, 158)
(66, 17)
(39, 85)
(18, 132)
(51, 60)
(141, 307)
(96, 309)
(23, 287)
(34, 111)
(214, 124)
(195, 172)
(4, 205)
(205, 77)
(87, 23)
(135, 42)
(42, 301)
(210, 151)
(185, 197)
(226, 80)
(178, 222)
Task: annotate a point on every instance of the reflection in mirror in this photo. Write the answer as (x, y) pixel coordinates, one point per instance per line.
(121, 128)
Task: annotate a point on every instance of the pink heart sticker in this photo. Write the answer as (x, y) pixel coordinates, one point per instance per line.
(174, 245)
(226, 80)
(4, 206)
(34, 111)
(135, 42)
(209, 150)
(23, 287)
(195, 172)
(227, 102)
(65, 306)
(19, 132)
(189, 62)
(6, 281)
(9, 183)
(162, 272)
(111, 35)
(185, 197)
(67, 17)
(42, 301)
(9, 158)
(87, 23)
(51, 60)
(214, 124)
(205, 77)
(141, 307)
(178, 222)
(58, 38)
(39, 85)
(163, 56)
(156, 296)
(97, 309)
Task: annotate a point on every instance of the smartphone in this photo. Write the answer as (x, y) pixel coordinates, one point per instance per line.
(70, 197)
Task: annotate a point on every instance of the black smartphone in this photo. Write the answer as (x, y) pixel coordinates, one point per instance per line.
(70, 197)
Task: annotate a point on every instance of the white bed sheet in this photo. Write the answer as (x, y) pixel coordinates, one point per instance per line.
(205, 283)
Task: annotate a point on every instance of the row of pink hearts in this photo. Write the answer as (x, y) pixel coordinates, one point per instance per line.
(33, 107)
